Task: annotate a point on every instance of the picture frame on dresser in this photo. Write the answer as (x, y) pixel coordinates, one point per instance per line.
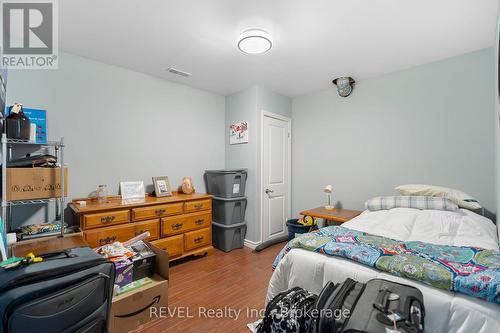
(132, 191)
(162, 186)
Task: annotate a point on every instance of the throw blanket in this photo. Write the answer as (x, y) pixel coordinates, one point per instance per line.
(468, 270)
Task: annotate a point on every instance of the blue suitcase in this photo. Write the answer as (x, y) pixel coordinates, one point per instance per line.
(69, 291)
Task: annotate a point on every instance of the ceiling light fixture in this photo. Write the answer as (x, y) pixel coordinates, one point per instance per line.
(255, 41)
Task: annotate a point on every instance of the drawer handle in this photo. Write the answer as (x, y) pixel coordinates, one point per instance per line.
(198, 239)
(198, 206)
(199, 222)
(176, 226)
(107, 240)
(107, 219)
(137, 233)
(159, 211)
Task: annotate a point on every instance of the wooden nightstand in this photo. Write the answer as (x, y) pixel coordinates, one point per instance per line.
(331, 215)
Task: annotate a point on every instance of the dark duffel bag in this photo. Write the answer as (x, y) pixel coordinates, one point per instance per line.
(29, 161)
(69, 291)
(288, 312)
(373, 307)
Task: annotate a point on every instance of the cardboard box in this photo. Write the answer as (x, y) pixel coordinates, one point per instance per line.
(35, 183)
(130, 310)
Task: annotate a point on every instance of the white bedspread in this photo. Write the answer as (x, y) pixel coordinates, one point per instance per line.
(445, 311)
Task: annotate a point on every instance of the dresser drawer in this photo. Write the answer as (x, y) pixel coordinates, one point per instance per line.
(174, 225)
(194, 206)
(179, 224)
(173, 245)
(198, 238)
(200, 220)
(121, 233)
(104, 219)
(150, 212)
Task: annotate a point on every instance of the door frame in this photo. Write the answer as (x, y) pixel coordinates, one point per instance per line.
(264, 114)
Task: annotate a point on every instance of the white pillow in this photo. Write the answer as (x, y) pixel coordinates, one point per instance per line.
(462, 199)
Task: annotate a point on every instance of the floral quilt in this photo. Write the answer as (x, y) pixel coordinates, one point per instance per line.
(468, 270)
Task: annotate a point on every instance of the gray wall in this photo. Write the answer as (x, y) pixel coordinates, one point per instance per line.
(242, 107)
(122, 125)
(430, 124)
(248, 106)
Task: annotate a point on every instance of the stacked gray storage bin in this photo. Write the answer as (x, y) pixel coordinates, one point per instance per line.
(228, 207)
(229, 211)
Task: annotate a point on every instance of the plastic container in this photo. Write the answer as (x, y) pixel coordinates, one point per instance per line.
(229, 211)
(102, 193)
(226, 183)
(228, 237)
(296, 228)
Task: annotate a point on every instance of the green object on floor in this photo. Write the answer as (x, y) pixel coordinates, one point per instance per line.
(9, 262)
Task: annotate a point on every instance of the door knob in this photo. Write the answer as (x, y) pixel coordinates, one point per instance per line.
(269, 191)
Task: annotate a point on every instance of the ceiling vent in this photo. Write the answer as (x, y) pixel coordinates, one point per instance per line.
(178, 72)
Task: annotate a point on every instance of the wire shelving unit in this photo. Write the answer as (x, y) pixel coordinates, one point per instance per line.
(6, 151)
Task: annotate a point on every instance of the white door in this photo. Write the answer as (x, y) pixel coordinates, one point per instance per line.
(275, 176)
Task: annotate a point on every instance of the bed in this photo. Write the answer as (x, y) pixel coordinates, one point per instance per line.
(445, 311)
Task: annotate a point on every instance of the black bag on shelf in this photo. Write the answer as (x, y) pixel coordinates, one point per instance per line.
(44, 161)
(372, 307)
(17, 125)
(68, 291)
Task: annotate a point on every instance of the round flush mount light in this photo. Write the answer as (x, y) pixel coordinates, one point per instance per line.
(255, 41)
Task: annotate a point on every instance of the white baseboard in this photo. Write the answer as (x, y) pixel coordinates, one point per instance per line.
(250, 244)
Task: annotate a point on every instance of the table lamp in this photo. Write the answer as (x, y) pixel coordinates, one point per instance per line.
(328, 190)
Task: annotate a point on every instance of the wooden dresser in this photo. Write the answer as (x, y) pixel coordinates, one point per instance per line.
(180, 224)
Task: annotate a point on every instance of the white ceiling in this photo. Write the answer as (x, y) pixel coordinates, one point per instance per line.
(314, 40)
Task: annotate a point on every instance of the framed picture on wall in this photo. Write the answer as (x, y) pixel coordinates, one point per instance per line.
(238, 133)
(162, 186)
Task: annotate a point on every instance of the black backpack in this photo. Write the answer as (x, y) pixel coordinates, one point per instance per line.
(372, 307)
(288, 312)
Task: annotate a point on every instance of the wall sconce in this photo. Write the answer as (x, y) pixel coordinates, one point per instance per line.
(345, 85)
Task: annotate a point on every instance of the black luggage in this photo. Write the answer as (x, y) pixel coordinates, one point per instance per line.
(350, 306)
(68, 291)
(373, 307)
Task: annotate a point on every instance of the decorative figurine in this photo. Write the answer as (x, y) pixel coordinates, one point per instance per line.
(187, 185)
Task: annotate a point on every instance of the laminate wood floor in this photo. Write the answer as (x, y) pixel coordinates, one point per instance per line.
(221, 282)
